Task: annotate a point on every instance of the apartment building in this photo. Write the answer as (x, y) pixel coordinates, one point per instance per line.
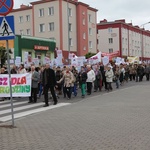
(128, 39)
(71, 23)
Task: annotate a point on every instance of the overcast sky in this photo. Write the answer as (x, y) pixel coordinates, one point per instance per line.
(135, 11)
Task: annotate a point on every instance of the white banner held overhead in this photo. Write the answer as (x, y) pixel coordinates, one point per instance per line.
(105, 60)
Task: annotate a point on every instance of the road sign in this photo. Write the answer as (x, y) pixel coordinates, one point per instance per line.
(6, 6)
(7, 29)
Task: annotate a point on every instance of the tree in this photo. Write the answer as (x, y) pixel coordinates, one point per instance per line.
(88, 55)
(3, 55)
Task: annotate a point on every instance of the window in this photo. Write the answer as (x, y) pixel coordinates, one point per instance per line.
(90, 18)
(51, 11)
(27, 18)
(52, 38)
(41, 12)
(83, 21)
(110, 40)
(90, 44)
(110, 30)
(126, 41)
(21, 32)
(28, 32)
(69, 11)
(70, 42)
(41, 27)
(90, 31)
(21, 19)
(84, 36)
(84, 48)
(123, 40)
(51, 26)
(70, 27)
(111, 50)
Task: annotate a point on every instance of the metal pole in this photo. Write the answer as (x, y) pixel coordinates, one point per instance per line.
(8, 64)
(68, 30)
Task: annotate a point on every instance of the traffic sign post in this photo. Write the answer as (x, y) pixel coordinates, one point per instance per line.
(7, 32)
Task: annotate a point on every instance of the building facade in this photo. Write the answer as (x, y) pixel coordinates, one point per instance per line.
(71, 23)
(128, 39)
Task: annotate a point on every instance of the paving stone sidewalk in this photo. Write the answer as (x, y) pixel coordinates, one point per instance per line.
(117, 120)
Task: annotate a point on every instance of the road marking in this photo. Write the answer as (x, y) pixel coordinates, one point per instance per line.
(14, 104)
(30, 112)
(22, 107)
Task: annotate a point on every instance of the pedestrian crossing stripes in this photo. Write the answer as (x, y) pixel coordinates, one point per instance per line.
(22, 109)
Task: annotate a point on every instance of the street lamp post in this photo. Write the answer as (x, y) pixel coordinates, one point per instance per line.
(142, 42)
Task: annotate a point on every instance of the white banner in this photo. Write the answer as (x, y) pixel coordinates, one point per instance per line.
(46, 60)
(36, 61)
(18, 61)
(21, 85)
(105, 60)
(74, 62)
(59, 54)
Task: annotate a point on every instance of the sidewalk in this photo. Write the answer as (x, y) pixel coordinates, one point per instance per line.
(117, 120)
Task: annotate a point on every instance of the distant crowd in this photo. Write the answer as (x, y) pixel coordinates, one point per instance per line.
(68, 80)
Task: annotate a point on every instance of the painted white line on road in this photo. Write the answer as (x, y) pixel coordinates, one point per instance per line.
(32, 105)
(14, 104)
(23, 114)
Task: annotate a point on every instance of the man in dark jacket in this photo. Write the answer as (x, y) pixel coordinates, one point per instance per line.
(49, 82)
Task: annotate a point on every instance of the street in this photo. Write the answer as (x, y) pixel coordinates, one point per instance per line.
(117, 120)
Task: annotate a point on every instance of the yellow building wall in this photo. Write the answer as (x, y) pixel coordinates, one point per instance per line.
(10, 43)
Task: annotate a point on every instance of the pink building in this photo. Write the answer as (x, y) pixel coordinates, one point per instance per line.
(71, 23)
(128, 39)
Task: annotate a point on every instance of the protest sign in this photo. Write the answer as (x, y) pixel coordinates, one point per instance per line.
(59, 54)
(18, 61)
(105, 60)
(21, 85)
(46, 60)
(36, 61)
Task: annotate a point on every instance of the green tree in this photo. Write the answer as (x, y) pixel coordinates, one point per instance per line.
(88, 55)
(3, 55)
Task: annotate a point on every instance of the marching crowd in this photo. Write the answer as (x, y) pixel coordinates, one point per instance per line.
(68, 80)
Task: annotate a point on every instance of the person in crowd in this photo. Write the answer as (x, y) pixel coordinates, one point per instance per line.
(68, 81)
(41, 88)
(49, 82)
(117, 76)
(140, 72)
(147, 71)
(90, 79)
(34, 85)
(122, 74)
(103, 70)
(22, 69)
(98, 79)
(109, 77)
(4, 70)
(14, 70)
(75, 81)
(59, 75)
(82, 76)
(131, 69)
(126, 75)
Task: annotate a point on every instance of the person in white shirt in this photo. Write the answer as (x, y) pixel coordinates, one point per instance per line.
(90, 79)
